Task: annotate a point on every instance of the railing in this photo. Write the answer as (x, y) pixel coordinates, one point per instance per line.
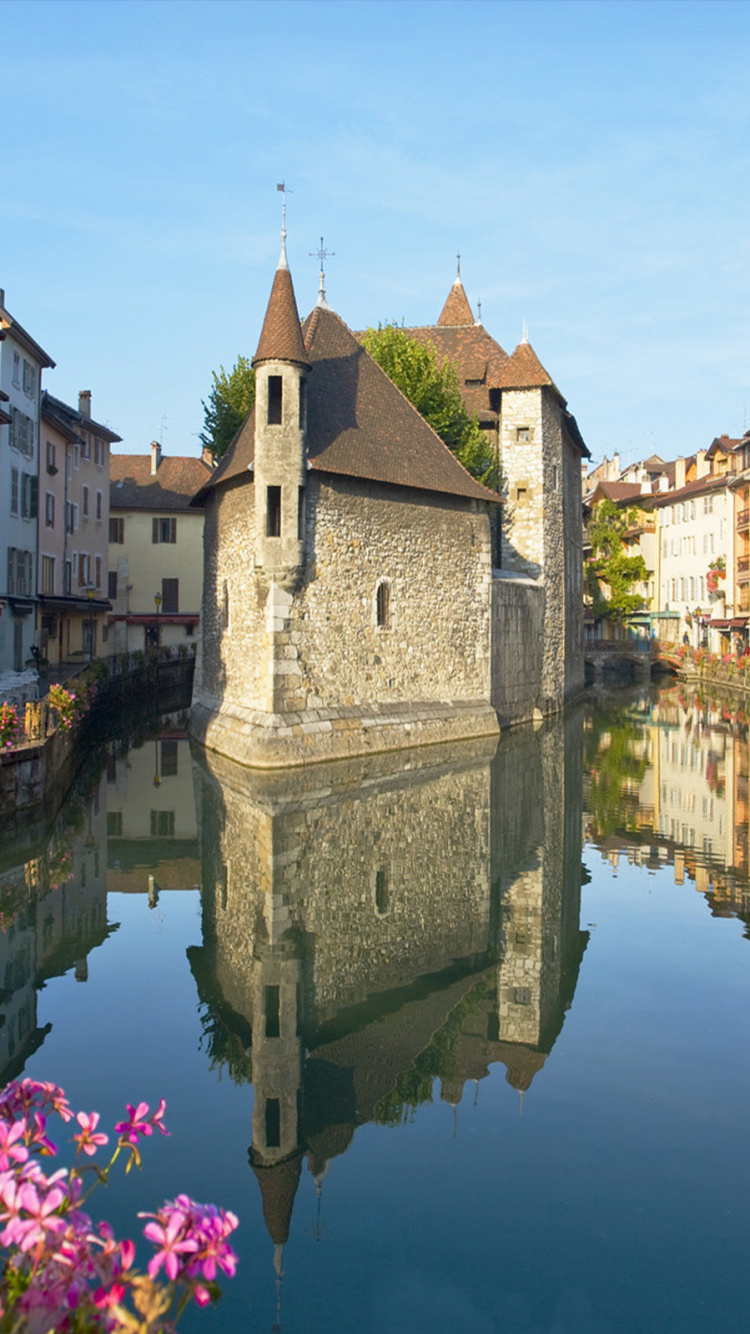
(743, 518)
(743, 569)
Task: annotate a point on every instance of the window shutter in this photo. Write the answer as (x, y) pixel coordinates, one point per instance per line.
(33, 497)
(154, 530)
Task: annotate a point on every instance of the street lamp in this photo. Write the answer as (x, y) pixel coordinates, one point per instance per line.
(158, 601)
(90, 595)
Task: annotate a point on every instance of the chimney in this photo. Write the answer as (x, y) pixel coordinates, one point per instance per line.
(155, 456)
(663, 482)
(2, 297)
(84, 403)
(207, 457)
(702, 466)
(679, 474)
(646, 487)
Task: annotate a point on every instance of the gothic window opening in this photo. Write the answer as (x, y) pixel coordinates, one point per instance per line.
(273, 511)
(383, 606)
(274, 400)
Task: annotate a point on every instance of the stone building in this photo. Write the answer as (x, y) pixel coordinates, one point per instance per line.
(350, 599)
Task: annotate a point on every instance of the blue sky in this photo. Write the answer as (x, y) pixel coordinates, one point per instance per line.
(590, 162)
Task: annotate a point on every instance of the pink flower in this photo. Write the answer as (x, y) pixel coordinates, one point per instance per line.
(10, 1149)
(140, 1123)
(170, 1237)
(88, 1141)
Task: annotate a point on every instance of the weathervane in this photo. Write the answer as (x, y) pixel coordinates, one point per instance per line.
(283, 261)
(322, 255)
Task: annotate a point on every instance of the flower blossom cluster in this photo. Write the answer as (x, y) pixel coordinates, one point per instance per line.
(60, 1270)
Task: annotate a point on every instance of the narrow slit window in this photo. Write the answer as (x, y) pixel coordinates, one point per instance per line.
(302, 403)
(272, 1005)
(274, 400)
(273, 511)
(273, 1123)
(225, 606)
(301, 515)
(381, 891)
(383, 601)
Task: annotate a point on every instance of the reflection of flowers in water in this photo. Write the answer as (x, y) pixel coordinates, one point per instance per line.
(715, 783)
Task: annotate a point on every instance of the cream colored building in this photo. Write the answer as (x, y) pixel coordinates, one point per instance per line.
(155, 550)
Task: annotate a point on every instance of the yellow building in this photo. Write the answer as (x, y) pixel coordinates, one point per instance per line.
(155, 549)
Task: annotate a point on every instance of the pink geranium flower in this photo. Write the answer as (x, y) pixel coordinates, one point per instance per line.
(89, 1140)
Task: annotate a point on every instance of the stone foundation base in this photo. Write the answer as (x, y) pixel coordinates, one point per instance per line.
(285, 740)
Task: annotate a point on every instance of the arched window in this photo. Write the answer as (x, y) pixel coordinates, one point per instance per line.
(383, 605)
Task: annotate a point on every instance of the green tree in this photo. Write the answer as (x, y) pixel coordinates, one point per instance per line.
(229, 402)
(610, 574)
(434, 390)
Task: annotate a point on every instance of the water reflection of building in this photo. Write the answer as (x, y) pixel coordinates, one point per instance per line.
(371, 928)
(127, 834)
(152, 841)
(53, 915)
(684, 802)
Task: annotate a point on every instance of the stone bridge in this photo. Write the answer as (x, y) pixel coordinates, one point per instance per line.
(618, 660)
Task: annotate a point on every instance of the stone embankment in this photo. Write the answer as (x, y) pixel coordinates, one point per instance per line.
(715, 671)
(36, 773)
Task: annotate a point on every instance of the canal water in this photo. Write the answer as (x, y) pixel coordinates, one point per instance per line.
(462, 1037)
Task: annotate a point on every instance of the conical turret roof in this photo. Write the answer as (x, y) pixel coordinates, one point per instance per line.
(281, 335)
(524, 370)
(456, 309)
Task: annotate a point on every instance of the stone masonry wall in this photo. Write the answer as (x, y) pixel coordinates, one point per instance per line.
(573, 543)
(517, 642)
(522, 461)
(377, 886)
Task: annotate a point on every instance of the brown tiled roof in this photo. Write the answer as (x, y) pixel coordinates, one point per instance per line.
(133, 487)
(694, 488)
(618, 492)
(476, 356)
(524, 370)
(456, 309)
(725, 443)
(521, 1063)
(281, 335)
(359, 424)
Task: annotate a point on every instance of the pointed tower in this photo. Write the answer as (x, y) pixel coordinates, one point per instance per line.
(280, 464)
(456, 310)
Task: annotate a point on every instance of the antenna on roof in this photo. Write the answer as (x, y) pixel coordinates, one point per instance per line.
(322, 255)
(283, 261)
(525, 333)
(163, 428)
(479, 311)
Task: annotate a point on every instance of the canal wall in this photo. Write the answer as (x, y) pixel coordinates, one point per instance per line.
(36, 775)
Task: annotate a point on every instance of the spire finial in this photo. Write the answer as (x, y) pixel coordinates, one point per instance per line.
(322, 255)
(479, 311)
(525, 333)
(458, 268)
(283, 261)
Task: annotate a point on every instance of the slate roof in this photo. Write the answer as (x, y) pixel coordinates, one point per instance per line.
(74, 419)
(281, 335)
(172, 487)
(358, 423)
(456, 309)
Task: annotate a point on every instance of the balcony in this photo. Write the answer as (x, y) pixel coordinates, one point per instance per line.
(743, 570)
(743, 519)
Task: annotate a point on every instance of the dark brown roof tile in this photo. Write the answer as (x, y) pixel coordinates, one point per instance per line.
(281, 335)
(172, 487)
(456, 309)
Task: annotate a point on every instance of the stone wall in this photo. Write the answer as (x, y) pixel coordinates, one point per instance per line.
(308, 673)
(517, 648)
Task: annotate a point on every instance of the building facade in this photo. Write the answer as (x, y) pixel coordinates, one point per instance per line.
(22, 361)
(155, 579)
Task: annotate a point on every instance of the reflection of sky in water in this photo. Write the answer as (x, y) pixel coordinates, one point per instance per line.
(482, 1098)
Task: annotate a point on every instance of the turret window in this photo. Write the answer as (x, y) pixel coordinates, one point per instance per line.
(273, 1123)
(301, 515)
(383, 606)
(274, 400)
(302, 403)
(273, 511)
